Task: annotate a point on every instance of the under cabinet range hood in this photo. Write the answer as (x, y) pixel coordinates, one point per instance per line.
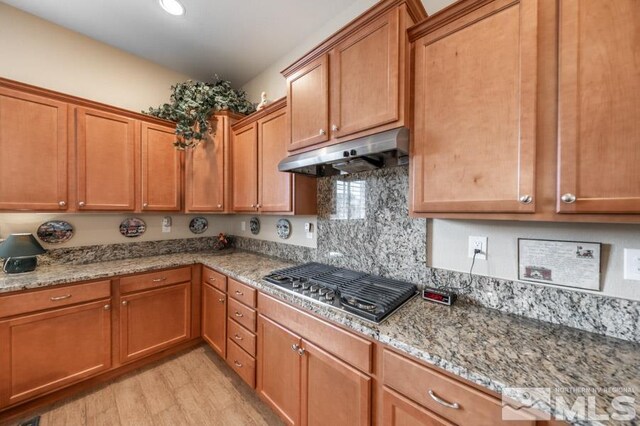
(386, 149)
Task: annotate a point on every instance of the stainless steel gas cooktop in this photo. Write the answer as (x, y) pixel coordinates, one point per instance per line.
(370, 297)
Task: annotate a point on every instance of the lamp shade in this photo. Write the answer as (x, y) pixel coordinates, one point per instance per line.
(20, 245)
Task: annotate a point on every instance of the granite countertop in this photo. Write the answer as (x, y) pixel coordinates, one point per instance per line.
(487, 347)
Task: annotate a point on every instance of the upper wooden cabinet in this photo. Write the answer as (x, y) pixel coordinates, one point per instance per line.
(106, 164)
(33, 152)
(161, 169)
(208, 169)
(474, 139)
(259, 143)
(537, 121)
(356, 82)
(599, 107)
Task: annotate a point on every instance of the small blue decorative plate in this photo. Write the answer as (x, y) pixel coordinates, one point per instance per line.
(198, 225)
(132, 227)
(283, 228)
(55, 231)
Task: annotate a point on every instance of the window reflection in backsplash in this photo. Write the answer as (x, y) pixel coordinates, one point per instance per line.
(350, 197)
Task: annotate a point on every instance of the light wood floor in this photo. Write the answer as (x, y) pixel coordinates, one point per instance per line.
(195, 388)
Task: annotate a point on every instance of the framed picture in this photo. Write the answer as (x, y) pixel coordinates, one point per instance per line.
(565, 263)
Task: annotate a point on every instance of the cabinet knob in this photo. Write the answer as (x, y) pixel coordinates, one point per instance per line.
(125, 303)
(219, 206)
(295, 347)
(258, 206)
(253, 206)
(322, 132)
(107, 307)
(145, 205)
(526, 199)
(568, 198)
(221, 300)
(301, 351)
(62, 203)
(334, 128)
(81, 204)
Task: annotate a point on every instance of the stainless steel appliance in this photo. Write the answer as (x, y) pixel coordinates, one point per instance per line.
(368, 296)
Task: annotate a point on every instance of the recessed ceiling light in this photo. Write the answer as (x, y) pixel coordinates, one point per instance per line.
(173, 7)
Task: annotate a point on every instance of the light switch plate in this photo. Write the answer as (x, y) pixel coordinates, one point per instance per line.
(632, 264)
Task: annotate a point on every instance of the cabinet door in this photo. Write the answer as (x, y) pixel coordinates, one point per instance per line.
(33, 152)
(214, 318)
(106, 145)
(205, 183)
(274, 186)
(161, 170)
(475, 112)
(599, 107)
(153, 320)
(244, 159)
(365, 77)
(279, 369)
(399, 411)
(308, 104)
(332, 388)
(49, 350)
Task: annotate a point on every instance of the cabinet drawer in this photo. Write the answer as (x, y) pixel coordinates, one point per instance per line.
(214, 278)
(426, 386)
(154, 279)
(242, 293)
(241, 314)
(242, 363)
(346, 346)
(54, 297)
(243, 337)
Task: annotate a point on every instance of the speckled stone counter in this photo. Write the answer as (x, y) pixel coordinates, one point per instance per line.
(487, 347)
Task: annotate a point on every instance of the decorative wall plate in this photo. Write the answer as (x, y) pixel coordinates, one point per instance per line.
(283, 227)
(55, 231)
(132, 227)
(198, 225)
(254, 225)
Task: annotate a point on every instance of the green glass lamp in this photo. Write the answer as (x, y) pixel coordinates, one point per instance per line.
(19, 252)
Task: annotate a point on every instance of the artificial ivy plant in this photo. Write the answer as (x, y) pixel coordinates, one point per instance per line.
(193, 102)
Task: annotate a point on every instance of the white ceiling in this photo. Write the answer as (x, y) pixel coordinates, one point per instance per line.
(235, 39)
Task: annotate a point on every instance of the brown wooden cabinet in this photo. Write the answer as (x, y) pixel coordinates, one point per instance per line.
(214, 318)
(356, 82)
(474, 142)
(33, 152)
(400, 411)
(599, 107)
(106, 160)
(154, 319)
(258, 145)
(161, 171)
(48, 350)
(208, 180)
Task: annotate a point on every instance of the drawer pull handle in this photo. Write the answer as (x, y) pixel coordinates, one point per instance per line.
(237, 364)
(221, 300)
(441, 401)
(239, 293)
(56, 298)
(237, 337)
(158, 280)
(239, 315)
(212, 279)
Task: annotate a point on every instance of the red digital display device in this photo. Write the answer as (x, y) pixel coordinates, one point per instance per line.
(438, 296)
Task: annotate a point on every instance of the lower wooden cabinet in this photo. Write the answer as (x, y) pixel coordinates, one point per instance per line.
(45, 351)
(214, 318)
(153, 320)
(400, 411)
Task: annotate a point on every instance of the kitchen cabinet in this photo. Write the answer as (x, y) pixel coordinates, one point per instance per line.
(161, 171)
(241, 329)
(214, 310)
(107, 156)
(208, 170)
(356, 82)
(33, 151)
(400, 411)
(474, 144)
(154, 319)
(53, 338)
(599, 107)
(258, 145)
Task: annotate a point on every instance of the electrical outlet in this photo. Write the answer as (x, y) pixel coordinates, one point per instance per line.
(478, 243)
(632, 264)
(243, 226)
